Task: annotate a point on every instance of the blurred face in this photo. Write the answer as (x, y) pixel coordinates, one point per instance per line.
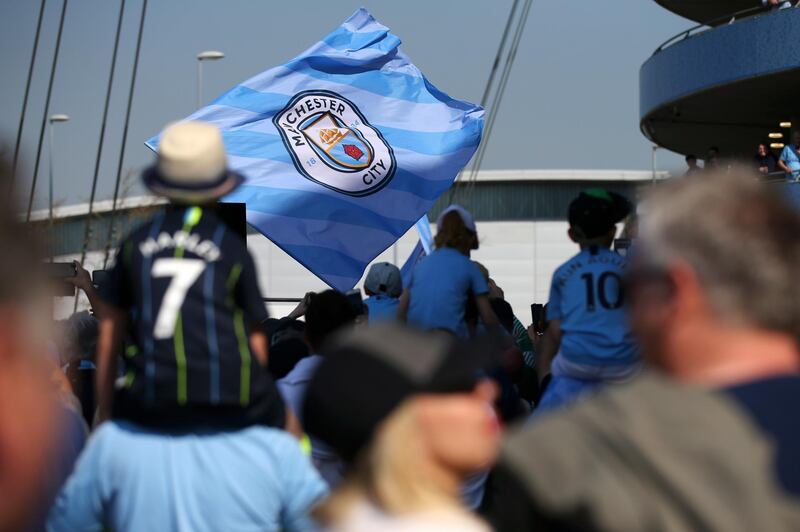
(650, 309)
(461, 430)
(762, 150)
(27, 423)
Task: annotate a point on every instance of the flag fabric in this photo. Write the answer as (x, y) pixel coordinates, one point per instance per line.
(425, 234)
(343, 148)
(421, 250)
(417, 254)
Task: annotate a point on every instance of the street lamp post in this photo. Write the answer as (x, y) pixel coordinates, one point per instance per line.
(208, 55)
(655, 149)
(54, 119)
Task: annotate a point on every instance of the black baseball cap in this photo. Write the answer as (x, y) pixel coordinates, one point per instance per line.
(596, 211)
(367, 372)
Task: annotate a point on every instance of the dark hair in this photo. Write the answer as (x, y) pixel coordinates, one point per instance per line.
(454, 234)
(83, 330)
(691, 157)
(504, 312)
(327, 312)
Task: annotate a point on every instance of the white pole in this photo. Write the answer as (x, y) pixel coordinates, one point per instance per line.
(199, 83)
(208, 55)
(50, 158)
(655, 149)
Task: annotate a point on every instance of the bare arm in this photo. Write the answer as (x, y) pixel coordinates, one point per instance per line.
(488, 317)
(402, 307)
(782, 166)
(260, 347)
(83, 281)
(112, 325)
(548, 348)
(293, 424)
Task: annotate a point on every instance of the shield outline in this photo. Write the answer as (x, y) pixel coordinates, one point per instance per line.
(298, 165)
(353, 168)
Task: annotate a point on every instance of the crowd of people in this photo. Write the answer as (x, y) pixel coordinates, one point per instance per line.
(653, 392)
(787, 164)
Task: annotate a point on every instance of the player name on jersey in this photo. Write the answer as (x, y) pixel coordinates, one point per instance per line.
(577, 265)
(180, 239)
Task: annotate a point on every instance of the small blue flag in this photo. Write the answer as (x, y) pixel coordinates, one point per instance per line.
(344, 148)
(421, 250)
(417, 254)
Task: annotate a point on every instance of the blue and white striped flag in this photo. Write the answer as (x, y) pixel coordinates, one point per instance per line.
(344, 148)
(421, 250)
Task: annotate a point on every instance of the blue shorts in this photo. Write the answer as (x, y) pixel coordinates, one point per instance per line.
(563, 391)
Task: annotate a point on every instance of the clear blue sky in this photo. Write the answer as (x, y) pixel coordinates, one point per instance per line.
(572, 100)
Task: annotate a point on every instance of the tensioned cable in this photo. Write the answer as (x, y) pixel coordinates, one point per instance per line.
(489, 82)
(498, 98)
(27, 93)
(46, 108)
(125, 133)
(88, 228)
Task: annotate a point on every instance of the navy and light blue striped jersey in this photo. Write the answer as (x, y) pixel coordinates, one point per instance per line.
(587, 296)
(189, 288)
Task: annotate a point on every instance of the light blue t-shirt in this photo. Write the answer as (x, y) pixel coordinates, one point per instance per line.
(382, 308)
(132, 479)
(293, 389)
(791, 160)
(586, 295)
(439, 287)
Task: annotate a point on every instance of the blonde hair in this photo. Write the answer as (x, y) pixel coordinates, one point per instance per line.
(392, 473)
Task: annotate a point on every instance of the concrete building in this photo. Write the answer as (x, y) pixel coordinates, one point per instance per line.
(521, 217)
(729, 81)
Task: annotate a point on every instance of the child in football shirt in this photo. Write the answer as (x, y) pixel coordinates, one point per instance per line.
(184, 291)
(588, 340)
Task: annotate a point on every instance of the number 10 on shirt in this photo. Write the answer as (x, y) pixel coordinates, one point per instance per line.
(601, 289)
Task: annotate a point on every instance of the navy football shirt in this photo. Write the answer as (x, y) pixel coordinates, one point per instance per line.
(189, 287)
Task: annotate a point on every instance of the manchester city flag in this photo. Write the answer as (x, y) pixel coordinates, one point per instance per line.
(344, 148)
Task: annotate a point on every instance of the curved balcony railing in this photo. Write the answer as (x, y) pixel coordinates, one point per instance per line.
(716, 22)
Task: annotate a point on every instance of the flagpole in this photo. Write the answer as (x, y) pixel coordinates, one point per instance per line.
(46, 108)
(27, 93)
(125, 133)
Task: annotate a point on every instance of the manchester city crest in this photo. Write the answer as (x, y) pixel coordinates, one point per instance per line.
(333, 144)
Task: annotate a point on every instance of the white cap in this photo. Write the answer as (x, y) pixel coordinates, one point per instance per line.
(466, 217)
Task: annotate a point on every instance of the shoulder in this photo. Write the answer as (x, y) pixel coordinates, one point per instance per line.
(110, 440)
(652, 416)
(644, 441)
(303, 370)
(273, 448)
(569, 264)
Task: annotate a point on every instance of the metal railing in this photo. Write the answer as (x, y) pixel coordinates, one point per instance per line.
(718, 21)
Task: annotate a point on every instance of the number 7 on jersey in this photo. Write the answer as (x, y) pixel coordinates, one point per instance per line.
(184, 273)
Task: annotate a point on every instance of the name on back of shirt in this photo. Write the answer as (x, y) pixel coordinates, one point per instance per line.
(615, 260)
(206, 249)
